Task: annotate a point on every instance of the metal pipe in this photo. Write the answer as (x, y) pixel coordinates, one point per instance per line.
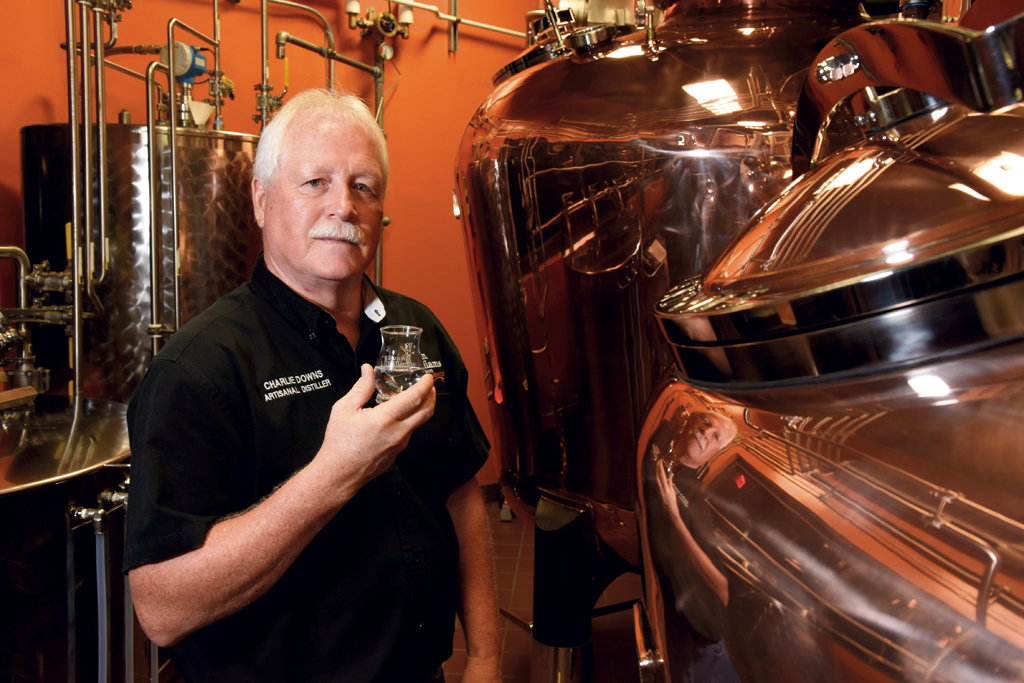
(101, 119)
(154, 663)
(263, 103)
(69, 18)
(134, 50)
(378, 108)
(328, 34)
(173, 128)
(155, 261)
(102, 607)
(218, 122)
(129, 633)
(98, 517)
(992, 557)
(285, 37)
(22, 266)
(457, 19)
(134, 74)
(113, 33)
(70, 573)
(86, 254)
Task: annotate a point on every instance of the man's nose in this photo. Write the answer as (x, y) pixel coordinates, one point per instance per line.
(340, 202)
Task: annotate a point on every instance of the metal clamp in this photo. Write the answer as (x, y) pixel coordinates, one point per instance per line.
(838, 67)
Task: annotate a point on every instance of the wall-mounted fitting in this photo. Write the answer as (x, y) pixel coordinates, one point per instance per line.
(189, 62)
(8, 334)
(266, 102)
(97, 516)
(384, 24)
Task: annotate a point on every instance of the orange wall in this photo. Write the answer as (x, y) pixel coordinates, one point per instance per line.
(426, 111)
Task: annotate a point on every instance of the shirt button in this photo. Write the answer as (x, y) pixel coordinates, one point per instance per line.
(420, 626)
(312, 336)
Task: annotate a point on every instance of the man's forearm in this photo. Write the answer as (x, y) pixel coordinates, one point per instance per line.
(244, 556)
(240, 560)
(479, 608)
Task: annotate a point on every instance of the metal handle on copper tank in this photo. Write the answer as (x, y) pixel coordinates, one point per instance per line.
(979, 70)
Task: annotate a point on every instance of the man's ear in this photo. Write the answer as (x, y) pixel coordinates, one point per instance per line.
(259, 198)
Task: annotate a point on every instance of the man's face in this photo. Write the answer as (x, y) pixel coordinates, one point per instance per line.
(321, 214)
(704, 434)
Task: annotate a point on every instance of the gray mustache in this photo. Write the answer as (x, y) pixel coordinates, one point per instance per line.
(326, 228)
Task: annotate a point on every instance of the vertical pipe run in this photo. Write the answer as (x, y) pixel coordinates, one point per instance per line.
(218, 122)
(99, 274)
(328, 35)
(378, 107)
(453, 27)
(264, 65)
(70, 576)
(129, 633)
(87, 258)
(172, 127)
(102, 603)
(155, 232)
(72, 42)
(154, 663)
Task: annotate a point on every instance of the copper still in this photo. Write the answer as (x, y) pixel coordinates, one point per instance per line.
(830, 476)
(604, 169)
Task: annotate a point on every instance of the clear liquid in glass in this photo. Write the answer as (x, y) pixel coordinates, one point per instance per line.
(391, 382)
(400, 364)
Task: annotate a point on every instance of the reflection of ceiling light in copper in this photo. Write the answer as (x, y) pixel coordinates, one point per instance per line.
(877, 276)
(716, 96)
(929, 385)
(630, 51)
(968, 191)
(747, 31)
(897, 252)
(848, 176)
(1006, 172)
(752, 124)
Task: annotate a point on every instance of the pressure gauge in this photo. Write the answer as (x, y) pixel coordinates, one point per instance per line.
(189, 62)
(386, 51)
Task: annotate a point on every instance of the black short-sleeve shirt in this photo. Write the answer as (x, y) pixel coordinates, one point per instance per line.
(239, 400)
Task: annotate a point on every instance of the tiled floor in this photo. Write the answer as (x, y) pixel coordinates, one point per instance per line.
(614, 651)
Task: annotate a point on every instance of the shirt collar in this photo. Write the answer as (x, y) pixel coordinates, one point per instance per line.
(303, 313)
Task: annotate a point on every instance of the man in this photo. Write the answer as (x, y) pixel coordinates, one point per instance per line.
(279, 528)
(681, 550)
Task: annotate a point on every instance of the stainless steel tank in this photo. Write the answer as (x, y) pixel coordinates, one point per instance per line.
(600, 172)
(830, 478)
(61, 588)
(218, 240)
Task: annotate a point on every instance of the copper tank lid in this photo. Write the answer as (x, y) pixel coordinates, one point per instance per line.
(903, 246)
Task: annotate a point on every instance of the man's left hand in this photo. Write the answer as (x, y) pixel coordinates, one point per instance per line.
(482, 670)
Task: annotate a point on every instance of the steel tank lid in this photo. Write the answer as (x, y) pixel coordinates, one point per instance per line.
(48, 439)
(876, 256)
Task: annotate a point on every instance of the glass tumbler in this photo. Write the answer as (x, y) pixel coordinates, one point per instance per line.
(400, 364)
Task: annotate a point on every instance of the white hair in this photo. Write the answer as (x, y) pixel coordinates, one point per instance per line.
(338, 105)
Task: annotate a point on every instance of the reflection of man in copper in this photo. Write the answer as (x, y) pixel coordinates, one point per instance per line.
(681, 529)
(704, 434)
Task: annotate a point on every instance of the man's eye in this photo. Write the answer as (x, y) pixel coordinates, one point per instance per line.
(363, 187)
(316, 182)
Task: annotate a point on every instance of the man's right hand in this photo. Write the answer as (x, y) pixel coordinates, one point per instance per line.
(244, 556)
(360, 443)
